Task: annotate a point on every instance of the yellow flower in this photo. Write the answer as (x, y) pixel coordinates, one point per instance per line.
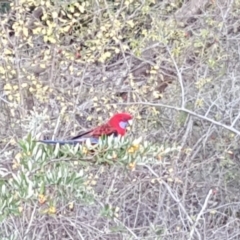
(114, 155)
(52, 210)
(16, 161)
(132, 166)
(71, 205)
(20, 209)
(42, 198)
(135, 145)
(15, 165)
(133, 148)
(84, 150)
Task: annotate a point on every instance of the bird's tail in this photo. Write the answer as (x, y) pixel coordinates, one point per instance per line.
(61, 142)
(71, 141)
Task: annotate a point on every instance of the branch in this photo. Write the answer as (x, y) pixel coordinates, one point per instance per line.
(228, 127)
(174, 197)
(200, 214)
(179, 74)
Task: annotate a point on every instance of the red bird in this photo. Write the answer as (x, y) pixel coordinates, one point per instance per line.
(115, 126)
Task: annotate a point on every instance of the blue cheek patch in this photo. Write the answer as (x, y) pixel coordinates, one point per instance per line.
(123, 125)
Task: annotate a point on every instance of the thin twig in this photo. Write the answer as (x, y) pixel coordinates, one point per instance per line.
(200, 214)
(228, 127)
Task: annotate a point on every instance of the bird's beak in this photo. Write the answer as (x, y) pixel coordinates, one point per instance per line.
(130, 122)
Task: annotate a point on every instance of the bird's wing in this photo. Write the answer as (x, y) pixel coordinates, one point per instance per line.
(97, 132)
(104, 130)
(93, 135)
(85, 134)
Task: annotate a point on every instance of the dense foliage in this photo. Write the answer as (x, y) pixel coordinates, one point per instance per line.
(67, 66)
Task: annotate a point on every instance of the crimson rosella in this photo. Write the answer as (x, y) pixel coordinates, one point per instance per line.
(116, 126)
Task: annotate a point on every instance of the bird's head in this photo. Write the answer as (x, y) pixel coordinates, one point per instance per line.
(120, 121)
